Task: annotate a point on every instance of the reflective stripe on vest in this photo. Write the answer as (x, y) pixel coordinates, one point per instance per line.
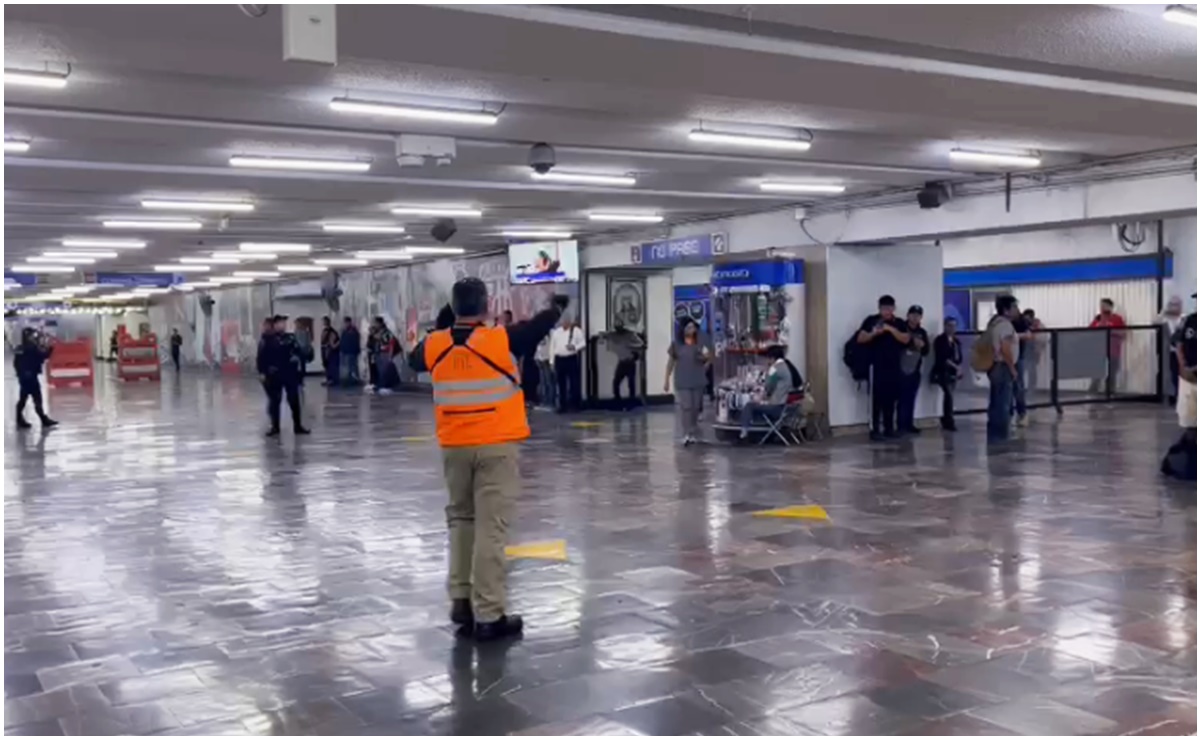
(473, 392)
(477, 391)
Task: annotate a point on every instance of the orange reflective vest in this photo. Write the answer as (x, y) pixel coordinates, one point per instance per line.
(477, 390)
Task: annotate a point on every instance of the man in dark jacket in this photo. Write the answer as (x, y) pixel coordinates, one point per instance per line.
(329, 351)
(911, 371)
(28, 358)
(350, 345)
(886, 337)
(279, 362)
(948, 364)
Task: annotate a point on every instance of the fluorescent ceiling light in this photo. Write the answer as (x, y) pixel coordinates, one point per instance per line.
(182, 268)
(1181, 14)
(41, 268)
(231, 279)
(301, 268)
(637, 218)
(438, 211)
(535, 234)
(275, 247)
(199, 205)
(209, 260)
(147, 290)
(418, 112)
(16, 145)
(293, 163)
(765, 142)
(75, 289)
(994, 158)
(198, 284)
(584, 178)
(340, 262)
(164, 225)
(778, 186)
(61, 260)
(98, 254)
(340, 228)
(86, 242)
(384, 254)
(256, 273)
(435, 250)
(50, 80)
(243, 256)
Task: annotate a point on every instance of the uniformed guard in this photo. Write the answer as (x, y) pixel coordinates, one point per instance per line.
(28, 358)
(279, 363)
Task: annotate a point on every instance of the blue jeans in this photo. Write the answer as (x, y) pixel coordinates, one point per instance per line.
(907, 406)
(1000, 401)
(546, 384)
(1019, 386)
(350, 369)
(748, 413)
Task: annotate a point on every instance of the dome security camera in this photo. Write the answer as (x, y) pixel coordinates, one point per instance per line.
(542, 158)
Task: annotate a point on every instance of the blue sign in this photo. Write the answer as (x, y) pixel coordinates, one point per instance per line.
(699, 248)
(20, 278)
(692, 302)
(750, 275)
(1140, 267)
(138, 279)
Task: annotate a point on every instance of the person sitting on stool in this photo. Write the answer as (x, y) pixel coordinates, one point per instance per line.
(783, 379)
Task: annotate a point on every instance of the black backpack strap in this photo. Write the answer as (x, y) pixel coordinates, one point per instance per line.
(461, 341)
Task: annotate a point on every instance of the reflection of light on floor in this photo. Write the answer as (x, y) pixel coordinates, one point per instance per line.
(625, 651)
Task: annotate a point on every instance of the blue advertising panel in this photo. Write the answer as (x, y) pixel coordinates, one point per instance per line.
(753, 275)
(700, 248)
(692, 302)
(957, 304)
(138, 279)
(1142, 267)
(20, 278)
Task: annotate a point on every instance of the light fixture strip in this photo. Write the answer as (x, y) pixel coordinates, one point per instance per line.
(346, 228)
(29, 78)
(641, 218)
(16, 146)
(585, 178)
(275, 247)
(535, 234)
(416, 112)
(780, 186)
(198, 205)
(294, 163)
(152, 225)
(87, 242)
(749, 140)
(994, 158)
(182, 268)
(438, 211)
(434, 250)
(1181, 14)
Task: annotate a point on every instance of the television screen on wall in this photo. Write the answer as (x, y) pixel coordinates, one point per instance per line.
(544, 262)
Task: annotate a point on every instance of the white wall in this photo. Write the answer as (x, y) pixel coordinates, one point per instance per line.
(1180, 234)
(658, 329)
(856, 277)
(1051, 245)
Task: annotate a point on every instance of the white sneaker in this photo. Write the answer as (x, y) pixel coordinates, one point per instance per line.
(1023, 421)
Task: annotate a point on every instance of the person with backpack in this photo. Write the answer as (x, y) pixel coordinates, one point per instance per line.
(995, 352)
(885, 337)
(911, 371)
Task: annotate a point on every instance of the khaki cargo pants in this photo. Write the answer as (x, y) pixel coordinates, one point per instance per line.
(483, 484)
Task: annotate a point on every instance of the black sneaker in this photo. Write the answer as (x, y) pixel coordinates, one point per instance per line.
(509, 625)
(460, 611)
(273, 432)
(48, 422)
(875, 436)
(302, 430)
(913, 430)
(22, 424)
(890, 434)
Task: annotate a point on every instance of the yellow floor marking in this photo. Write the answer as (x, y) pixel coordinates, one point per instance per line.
(808, 511)
(550, 550)
(586, 424)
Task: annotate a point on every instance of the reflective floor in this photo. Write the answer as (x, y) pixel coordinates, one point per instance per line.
(168, 570)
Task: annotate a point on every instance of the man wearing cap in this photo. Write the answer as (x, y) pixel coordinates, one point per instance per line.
(280, 360)
(480, 414)
(886, 337)
(911, 370)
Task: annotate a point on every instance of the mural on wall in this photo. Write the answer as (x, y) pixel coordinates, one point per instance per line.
(627, 302)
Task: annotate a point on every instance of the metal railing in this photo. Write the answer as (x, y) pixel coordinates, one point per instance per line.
(1064, 367)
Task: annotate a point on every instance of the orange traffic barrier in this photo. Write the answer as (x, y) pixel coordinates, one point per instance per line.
(70, 364)
(137, 359)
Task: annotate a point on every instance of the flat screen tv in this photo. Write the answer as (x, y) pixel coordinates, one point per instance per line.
(544, 262)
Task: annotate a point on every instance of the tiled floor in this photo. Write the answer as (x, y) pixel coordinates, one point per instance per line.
(168, 570)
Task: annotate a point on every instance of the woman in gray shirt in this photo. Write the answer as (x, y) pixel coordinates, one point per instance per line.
(686, 364)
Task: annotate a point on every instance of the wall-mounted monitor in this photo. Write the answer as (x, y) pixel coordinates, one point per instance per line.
(544, 262)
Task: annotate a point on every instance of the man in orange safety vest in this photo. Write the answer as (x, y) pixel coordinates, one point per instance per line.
(480, 413)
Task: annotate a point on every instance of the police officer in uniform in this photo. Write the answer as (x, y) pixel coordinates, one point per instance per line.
(480, 413)
(280, 361)
(28, 358)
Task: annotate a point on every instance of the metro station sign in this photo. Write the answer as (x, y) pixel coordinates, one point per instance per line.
(700, 249)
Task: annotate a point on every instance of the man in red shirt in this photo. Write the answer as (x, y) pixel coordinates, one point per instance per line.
(1108, 318)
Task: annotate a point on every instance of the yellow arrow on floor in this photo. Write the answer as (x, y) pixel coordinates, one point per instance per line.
(807, 511)
(550, 550)
(586, 424)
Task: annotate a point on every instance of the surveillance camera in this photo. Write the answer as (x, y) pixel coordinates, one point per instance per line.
(542, 158)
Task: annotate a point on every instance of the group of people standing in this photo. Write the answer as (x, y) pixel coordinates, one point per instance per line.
(340, 353)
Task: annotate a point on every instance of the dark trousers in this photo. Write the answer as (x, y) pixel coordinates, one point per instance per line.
(330, 360)
(276, 390)
(373, 370)
(885, 394)
(175, 357)
(567, 373)
(531, 380)
(30, 388)
(948, 403)
(907, 404)
(627, 371)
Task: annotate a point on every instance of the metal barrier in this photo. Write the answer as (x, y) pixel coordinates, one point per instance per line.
(1065, 367)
